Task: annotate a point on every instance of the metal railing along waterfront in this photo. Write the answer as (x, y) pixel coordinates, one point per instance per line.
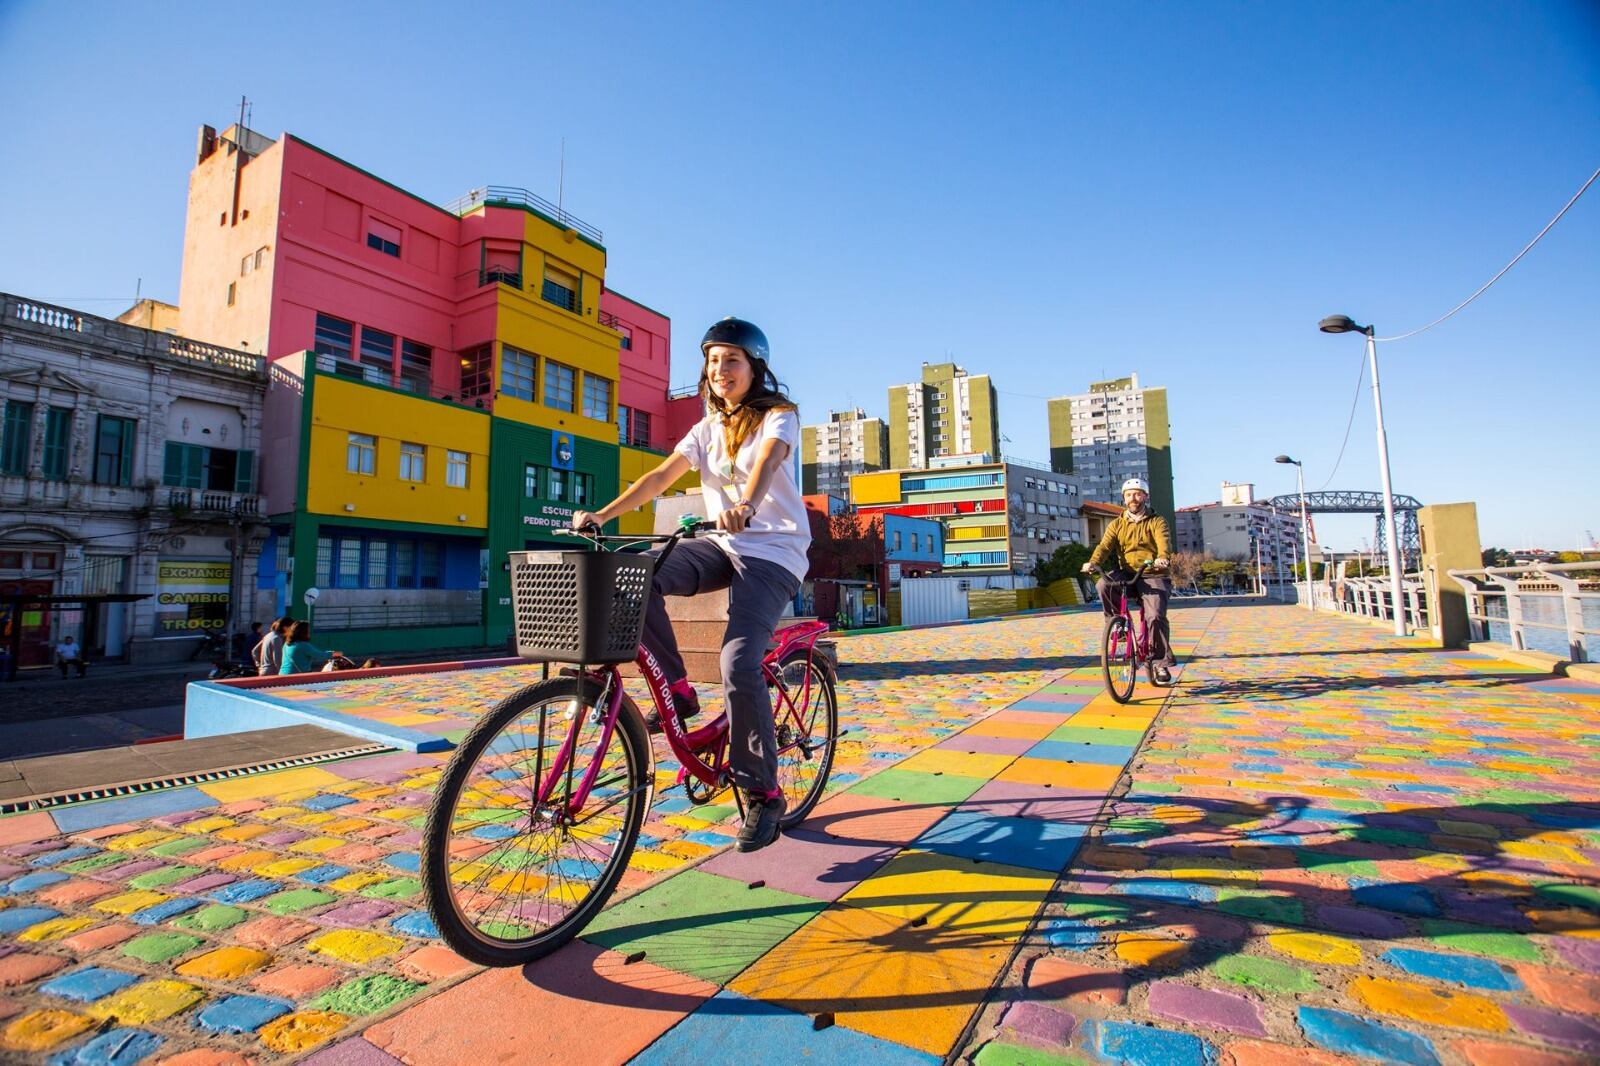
(1528, 606)
(514, 196)
(1373, 597)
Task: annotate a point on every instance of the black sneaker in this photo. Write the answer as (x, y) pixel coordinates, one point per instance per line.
(761, 818)
(686, 706)
(1161, 674)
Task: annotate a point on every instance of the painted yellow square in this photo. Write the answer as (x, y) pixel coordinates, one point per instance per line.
(972, 899)
(129, 902)
(346, 826)
(246, 860)
(285, 867)
(880, 976)
(207, 825)
(316, 845)
(1057, 774)
(307, 779)
(312, 820)
(357, 881)
(957, 763)
(145, 838)
(240, 833)
(283, 810)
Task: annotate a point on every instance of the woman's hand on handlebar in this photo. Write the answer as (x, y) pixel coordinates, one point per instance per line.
(734, 519)
(584, 521)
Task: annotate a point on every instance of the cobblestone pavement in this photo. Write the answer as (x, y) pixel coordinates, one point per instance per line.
(264, 916)
(1336, 846)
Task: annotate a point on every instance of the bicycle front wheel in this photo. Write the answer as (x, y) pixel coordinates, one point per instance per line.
(510, 879)
(1117, 658)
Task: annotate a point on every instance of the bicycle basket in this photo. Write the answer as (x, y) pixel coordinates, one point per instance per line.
(580, 606)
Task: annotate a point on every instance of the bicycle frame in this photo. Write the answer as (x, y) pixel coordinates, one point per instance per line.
(1141, 641)
(686, 746)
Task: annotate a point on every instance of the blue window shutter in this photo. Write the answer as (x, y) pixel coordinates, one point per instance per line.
(245, 477)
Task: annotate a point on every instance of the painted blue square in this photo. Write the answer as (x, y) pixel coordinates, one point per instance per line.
(1070, 934)
(119, 1047)
(88, 985)
(1093, 754)
(709, 837)
(162, 911)
(409, 861)
(75, 819)
(416, 924)
(1351, 1034)
(1139, 1045)
(243, 891)
(729, 1027)
(326, 802)
(1161, 888)
(19, 918)
(56, 858)
(1029, 842)
(321, 875)
(33, 882)
(1462, 969)
(241, 1014)
(1385, 896)
(495, 832)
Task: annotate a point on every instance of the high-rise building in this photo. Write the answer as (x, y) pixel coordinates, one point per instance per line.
(1115, 431)
(948, 412)
(1239, 527)
(446, 382)
(848, 443)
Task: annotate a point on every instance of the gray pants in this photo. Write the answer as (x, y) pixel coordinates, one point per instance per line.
(1153, 593)
(757, 593)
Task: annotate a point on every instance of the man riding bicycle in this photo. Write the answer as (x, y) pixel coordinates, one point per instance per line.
(1137, 537)
(741, 450)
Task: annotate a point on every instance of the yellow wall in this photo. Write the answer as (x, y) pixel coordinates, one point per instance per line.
(635, 464)
(340, 408)
(875, 488)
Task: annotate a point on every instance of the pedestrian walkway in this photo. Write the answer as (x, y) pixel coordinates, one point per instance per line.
(1330, 840)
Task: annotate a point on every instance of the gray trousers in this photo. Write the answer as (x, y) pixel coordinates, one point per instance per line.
(757, 593)
(1153, 593)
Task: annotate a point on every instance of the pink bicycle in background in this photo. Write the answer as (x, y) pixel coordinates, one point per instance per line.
(538, 811)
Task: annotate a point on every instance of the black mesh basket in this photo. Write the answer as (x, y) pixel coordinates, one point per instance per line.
(579, 606)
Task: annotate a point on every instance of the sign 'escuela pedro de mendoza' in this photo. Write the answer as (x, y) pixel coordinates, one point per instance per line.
(192, 596)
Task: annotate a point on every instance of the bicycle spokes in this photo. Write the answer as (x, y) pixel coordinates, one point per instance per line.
(516, 864)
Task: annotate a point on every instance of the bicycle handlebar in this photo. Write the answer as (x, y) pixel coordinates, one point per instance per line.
(592, 534)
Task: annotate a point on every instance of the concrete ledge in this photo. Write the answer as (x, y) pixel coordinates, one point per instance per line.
(1589, 672)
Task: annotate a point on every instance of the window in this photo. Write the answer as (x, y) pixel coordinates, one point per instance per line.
(518, 372)
(476, 368)
(530, 481)
(232, 286)
(431, 564)
(627, 337)
(57, 443)
(324, 561)
(377, 356)
(416, 367)
(561, 289)
(261, 256)
(413, 462)
(501, 266)
(582, 489)
(916, 542)
(361, 454)
(193, 466)
(897, 540)
(558, 385)
(596, 397)
(349, 571)
(641, 429)
(17, 441)
(333, 343)
(113, 451)
(383, 237)
(405, 564)
(377, 564)
(247, 264)
(556, 481)
(455, 469)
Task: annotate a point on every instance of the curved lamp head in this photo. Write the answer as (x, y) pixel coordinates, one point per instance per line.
(1340, 324)
(1286, 459)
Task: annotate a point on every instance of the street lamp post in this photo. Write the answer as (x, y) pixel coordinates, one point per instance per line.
(1305, 525)
(1343, 324)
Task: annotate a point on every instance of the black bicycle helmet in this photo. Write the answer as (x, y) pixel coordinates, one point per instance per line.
(740, 334)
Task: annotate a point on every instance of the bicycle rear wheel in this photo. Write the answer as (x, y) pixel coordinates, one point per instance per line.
(807, 733)
(1117, 663)
(508, 880)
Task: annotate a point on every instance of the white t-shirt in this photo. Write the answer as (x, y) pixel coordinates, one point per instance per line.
(69, 651)
(779, 532)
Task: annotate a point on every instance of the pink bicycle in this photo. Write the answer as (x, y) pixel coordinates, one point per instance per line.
(538, 811)
(1122, 648)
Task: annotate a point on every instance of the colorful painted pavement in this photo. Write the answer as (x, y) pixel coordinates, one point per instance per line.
(1337, 846)
(266, 916)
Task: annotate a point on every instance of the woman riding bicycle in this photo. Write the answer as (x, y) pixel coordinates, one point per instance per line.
(1137, 537)
(741, 449)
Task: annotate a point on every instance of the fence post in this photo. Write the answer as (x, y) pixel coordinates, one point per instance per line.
(1572, 614)
(1513, 608)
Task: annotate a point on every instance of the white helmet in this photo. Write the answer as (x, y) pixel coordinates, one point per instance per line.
(1136, 483)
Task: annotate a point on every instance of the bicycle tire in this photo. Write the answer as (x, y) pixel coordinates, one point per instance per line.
(1117, 664)
(825, 698)
(459, 931)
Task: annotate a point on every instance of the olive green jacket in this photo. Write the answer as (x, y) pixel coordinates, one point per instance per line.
(1134, 543)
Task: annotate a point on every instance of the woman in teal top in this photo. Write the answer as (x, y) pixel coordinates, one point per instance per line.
(300, 656)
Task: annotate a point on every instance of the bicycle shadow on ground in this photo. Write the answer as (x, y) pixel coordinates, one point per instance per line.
(1232, 873)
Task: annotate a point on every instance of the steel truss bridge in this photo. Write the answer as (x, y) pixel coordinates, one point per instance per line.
(1344, 502)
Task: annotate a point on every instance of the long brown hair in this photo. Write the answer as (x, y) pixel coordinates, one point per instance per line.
(766, 394)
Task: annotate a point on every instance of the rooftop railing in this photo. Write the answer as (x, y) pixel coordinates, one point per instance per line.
(513, 196)
(133, 340)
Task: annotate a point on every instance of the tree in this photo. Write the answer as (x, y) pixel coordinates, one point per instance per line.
(1184, 569)
(1496, 557)
(1065, 561)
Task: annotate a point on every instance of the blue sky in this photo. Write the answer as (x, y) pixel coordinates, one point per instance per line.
(1049, 193)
